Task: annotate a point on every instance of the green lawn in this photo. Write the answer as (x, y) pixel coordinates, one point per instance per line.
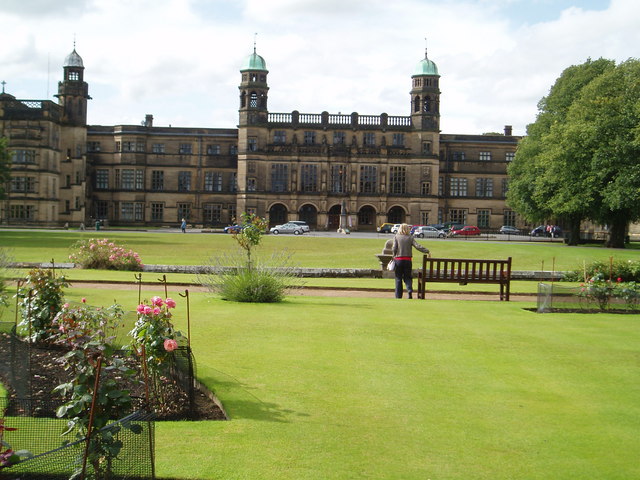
(308, 251)
(337, 388)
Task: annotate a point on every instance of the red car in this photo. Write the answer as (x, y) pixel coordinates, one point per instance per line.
(468, 230)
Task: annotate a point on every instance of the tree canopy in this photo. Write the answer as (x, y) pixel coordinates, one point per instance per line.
(580, 159)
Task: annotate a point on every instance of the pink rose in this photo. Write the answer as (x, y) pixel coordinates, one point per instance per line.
(170, 302)
(156, 310)
(141, 308)
(156, 301)
(619, 279)
(84, 300)
(66, 305)
(147, 310)
(170, 344)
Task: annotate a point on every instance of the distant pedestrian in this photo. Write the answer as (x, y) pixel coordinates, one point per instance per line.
(403, 244)
(183, 226)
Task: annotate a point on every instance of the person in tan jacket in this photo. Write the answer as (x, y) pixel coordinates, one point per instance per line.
(403, 245)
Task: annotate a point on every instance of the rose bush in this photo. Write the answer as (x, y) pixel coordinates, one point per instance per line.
(104, 254)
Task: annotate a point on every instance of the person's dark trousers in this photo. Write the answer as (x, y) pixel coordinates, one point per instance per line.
(403, 274)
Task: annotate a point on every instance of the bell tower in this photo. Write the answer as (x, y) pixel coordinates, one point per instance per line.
(73, 91)
(425, 96)
(253, 90)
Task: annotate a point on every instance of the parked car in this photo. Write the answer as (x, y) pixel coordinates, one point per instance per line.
(449, 226)
(429, 232)
(541, 231)
(233, 229)
(385, 228)
(287, 228)
(303, 224)
(509, 230)
(467, 230)
(395, 228)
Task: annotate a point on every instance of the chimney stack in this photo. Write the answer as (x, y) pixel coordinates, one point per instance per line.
(148, 120)
(508, 130)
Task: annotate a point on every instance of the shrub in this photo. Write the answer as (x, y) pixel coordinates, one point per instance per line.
(627, 270)
(4, 266)
(104, 254)
(265, 282)
(601, 291)
(40, 298)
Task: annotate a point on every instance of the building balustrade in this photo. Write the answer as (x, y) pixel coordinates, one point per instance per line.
(325, 119)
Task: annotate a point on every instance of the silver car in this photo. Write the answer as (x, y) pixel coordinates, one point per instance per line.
(429, 232)
(287, 228)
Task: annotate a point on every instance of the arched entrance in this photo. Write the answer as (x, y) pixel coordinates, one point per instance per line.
(309, 214)
(277, 214)
(334, 217)
(367, 218)
(396, 215)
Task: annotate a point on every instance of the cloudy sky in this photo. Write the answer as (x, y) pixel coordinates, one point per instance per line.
(179, 59)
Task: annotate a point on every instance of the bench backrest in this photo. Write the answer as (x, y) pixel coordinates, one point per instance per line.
(464, 269)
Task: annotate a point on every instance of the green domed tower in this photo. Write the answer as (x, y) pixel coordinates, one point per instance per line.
(425, 96)
(253, 90)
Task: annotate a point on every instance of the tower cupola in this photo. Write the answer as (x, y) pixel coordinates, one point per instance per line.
(253, 90)
(73, 91)
(425, 96)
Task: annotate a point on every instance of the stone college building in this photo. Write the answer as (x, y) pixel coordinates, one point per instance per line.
(282, 166)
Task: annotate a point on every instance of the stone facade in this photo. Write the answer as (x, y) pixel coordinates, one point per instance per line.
(283, 166)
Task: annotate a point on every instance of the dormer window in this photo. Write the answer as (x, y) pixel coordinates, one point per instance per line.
(73, 76)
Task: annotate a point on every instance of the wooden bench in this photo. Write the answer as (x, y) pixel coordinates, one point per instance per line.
(464, 271)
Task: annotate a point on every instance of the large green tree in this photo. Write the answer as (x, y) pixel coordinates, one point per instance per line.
(4, 167)
(580, 158)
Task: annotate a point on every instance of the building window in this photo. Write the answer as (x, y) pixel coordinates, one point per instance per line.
(23, 156)
(484, 187)
(339, 138)
(369, 139)
(338, 179)
(126, 211)
(213, 182)
(279, 177)
(458, 156)
(279, 136)
(93, 146)
(23, 184)
(213, 149)
(185, 149)
(309, 138)
(509, 156)
(509, 218)
(212, 214)
(157, 180)
(426, 148)
(157, 212)
(458, 187)
(505, 186)
(101, 209)
(139, 179)
(73, 76)
(484, 217)
(141, 147)
(485, 156)
(157, 148)
(309, 178)
(441, 186)
(233, 182)
(127, 177)
(251, 184)
(252, 144)
(424, 218)
(22, 212)
(128, 146)
(398, 180)
(102, 179)
(184, 211)
(232, 212)
(398, 140)
(184, 181)
(368, 179)
(425, 189)
(251, 167)
(458, 215)
(233, 150)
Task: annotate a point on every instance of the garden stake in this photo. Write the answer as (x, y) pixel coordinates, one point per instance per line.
(138, 277)
(53, 268)
(29, 313)
(610, 268)
(19, 283)
(186, 295)
(163, 280)
(91, 413)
